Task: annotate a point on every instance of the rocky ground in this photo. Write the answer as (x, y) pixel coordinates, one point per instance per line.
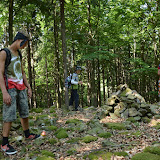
(80, 135)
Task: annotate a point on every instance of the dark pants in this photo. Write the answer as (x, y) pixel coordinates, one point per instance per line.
(74, 97)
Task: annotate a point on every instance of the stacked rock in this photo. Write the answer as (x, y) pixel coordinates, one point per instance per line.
(127, 103)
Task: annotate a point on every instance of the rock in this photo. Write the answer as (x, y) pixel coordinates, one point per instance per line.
(125, 103)
(107, 143)
(113, 115)
(153, 109)
(125, 114)
(143, 111)
(133, 112)
(113, 100)
(137, 118)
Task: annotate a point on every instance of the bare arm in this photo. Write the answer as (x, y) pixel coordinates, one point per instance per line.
(26, 83)
(6, 96)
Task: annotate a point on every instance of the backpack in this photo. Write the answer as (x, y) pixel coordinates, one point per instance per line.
(8, 61)
(68, 81)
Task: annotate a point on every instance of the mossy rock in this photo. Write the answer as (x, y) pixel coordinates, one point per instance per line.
(96, 130)
(123, 94)
(88, 139)
(124, 154)
(62, 134)
(58, 130)
(137, 133)
(71, 151)
(44, 158)
(47, 121)
(131, 119)
(157, 116)
(52, 141)
(52, 128)
(98, 154)
(31, 123)
(52, 110)
(153, 150)
(146, 120)
(157, 126)
(74, 140)
(105, 134)
(1, 155)
(37, 110)
(118, 126)
(124, 133)
(47, 153)
(145, 156)
(43, 116)
(75, 121)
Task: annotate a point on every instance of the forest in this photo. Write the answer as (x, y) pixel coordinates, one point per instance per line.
(115, 42)
(117, 45)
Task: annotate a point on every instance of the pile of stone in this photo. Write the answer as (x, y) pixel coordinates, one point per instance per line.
(127, 103)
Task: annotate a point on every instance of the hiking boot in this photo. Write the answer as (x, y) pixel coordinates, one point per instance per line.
(8, 149)
(33, 136)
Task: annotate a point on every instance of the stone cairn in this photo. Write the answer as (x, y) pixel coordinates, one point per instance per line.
(126, 103)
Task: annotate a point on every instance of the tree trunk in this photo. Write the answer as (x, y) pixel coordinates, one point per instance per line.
(29, 70)
(48, 94)
(64, 49)
(58, 86)
(10, 29)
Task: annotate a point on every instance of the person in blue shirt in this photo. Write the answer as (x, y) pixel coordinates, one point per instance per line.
(74, 88)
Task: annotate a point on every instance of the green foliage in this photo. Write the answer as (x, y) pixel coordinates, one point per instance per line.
(88, 139)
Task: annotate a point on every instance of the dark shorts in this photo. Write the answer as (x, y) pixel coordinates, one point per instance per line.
(20, 102)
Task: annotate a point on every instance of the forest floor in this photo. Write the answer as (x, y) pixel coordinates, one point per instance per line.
(73, 147)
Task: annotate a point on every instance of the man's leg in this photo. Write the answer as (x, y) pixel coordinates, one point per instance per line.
(9, 115)
(6, 131)
(24, 113)
(76, 100)
(25, 123)
(71, 99)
